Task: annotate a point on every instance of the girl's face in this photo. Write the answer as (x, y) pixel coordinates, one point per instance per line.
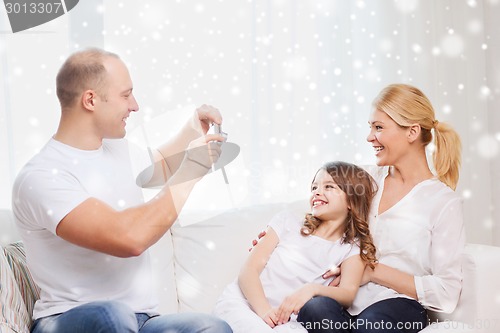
(328, 201)
(388, 139)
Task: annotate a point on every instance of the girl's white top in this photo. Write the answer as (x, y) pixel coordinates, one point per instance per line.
(296, 260)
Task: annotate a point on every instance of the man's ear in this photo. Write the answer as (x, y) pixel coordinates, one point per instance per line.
(413, 132)
(89, 100)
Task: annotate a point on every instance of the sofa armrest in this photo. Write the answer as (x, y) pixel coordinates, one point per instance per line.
(478, 308)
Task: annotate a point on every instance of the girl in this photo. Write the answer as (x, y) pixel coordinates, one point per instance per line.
(286, 268)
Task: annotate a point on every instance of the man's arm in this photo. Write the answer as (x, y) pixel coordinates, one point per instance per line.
(95, 225)
(167, 157)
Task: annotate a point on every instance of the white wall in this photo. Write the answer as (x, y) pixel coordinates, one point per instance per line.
(492, 13)
(293, 79)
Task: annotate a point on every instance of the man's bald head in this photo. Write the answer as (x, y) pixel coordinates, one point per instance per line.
(83, 70)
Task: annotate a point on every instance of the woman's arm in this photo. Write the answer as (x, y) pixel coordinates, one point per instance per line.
(249, 277)
(440, 290)
(392, 278)
(384, 275)
(352, 271)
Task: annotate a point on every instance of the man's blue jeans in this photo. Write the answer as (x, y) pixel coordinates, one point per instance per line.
(116, 317)
(324, 314)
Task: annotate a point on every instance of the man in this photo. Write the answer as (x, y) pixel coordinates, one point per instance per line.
(82, 217)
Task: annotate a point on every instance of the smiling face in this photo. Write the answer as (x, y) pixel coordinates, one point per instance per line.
(328, 202)
(116, 101)
(388, 139)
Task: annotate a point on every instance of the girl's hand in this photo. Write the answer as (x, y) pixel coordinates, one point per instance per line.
(294, 302)
(270, 317)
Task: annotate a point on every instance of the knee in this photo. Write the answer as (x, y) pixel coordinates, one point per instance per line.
(220, 326)
(112, 317)
(211, 324)
(319, 308)
(372, 316)
(208, 323)
(373, 321)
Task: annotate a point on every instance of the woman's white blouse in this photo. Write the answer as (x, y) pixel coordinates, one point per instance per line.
(422, 235)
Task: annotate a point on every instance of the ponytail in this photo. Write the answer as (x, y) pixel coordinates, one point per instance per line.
(447, 155)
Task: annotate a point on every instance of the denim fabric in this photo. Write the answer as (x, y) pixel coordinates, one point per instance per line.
(115, 317)
(323, 314)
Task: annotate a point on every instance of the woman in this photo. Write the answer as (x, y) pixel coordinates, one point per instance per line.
(416, 223)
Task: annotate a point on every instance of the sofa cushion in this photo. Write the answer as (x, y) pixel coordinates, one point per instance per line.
(162, 262)
(13, 317)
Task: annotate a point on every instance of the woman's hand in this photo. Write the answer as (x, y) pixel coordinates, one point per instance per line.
(294, 302)
(334, 273)
(256, 241)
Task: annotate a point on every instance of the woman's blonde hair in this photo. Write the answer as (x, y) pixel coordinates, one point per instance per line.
(407, 106)
(360, 188)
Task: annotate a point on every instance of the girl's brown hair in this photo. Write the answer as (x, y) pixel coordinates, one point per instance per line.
(360, 188)
(407, 105)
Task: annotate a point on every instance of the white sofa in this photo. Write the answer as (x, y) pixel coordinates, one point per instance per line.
(194, 262)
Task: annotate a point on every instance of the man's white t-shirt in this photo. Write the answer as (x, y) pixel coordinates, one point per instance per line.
(51, 185)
